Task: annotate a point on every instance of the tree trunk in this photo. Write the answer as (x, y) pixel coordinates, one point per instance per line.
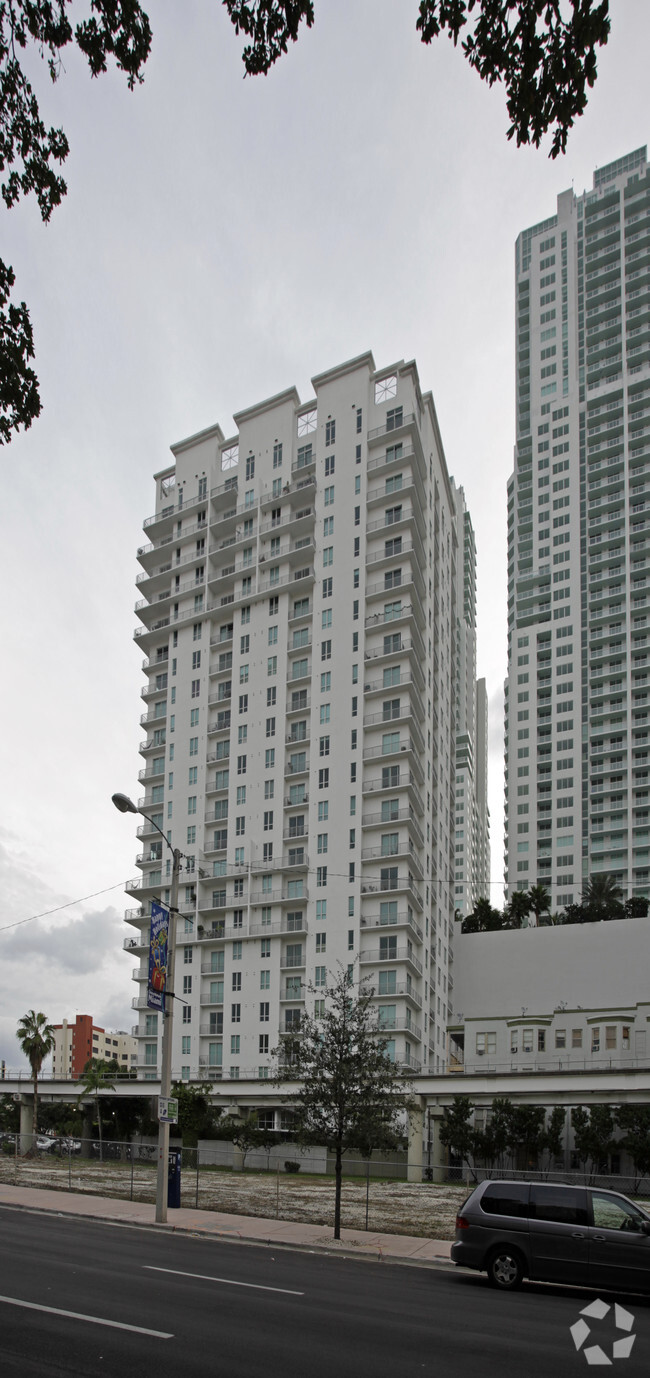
(337, 1192)
(99, 1130)
(35, 1120)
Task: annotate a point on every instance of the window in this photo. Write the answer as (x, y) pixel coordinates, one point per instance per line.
(268, 820)
(326, 650)
(241, 765)
(595, 1040)
(194, 717)
(265, 947)
(243, 703)
(321, 876)
(328, 526)
(329, 465)
(326, 682)
(564, 1205)
(270, 727)
(324, 778)
(191, 804)
(320, 976)
(264, 1011)
(329, 496)
(324, 746)
(330, 432)
(322, 842)
(327, 588)
(196, 660)
(560, 1038)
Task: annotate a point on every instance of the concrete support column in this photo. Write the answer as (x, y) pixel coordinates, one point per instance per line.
(437, 1157)
(416, 1135)
(88, 1111)
(26, 1123)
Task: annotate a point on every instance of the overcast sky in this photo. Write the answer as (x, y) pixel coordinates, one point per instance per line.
(221, 240)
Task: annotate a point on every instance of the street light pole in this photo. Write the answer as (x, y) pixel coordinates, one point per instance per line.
(167, 1030)
(126, 805)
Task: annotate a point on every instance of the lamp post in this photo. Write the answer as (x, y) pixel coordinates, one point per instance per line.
(126, 805)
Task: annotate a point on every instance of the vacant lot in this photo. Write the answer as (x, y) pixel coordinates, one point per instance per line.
(396, 1207)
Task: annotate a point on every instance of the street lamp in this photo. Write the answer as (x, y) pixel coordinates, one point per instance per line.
(126, 805)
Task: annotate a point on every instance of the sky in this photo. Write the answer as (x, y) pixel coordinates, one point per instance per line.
(223, 239)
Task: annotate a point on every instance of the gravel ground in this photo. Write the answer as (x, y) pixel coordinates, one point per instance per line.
(419, 1209)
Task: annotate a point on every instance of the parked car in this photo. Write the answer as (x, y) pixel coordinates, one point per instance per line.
(68, 1145)
(44, 1144)
(553, 1233)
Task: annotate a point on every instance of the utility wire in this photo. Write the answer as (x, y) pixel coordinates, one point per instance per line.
(70, 905)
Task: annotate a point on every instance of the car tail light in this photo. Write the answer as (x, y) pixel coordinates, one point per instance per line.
(462, 1223)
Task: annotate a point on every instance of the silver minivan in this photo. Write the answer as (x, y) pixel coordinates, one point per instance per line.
(554, 1233)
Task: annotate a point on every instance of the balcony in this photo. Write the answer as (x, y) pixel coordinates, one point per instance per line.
(402, 779)
(135, 944)
(394, 885)
(403, 919)
(376, 955)
(220, 724)
(294, 769)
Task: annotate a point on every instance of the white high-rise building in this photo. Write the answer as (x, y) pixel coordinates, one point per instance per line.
(298, 623)
(577, 690)
(471, 832)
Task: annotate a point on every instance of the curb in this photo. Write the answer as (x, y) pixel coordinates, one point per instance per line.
(228, 1237)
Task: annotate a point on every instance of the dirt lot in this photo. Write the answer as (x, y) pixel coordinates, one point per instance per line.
(397, 1207)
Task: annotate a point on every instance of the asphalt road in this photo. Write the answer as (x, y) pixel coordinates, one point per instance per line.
(77, 1298)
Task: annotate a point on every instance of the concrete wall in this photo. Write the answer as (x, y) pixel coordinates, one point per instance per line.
(592, 965)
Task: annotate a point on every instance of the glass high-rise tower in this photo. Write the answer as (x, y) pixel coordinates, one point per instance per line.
(576, 727)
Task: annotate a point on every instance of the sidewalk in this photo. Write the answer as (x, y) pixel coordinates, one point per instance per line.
(394, 1248)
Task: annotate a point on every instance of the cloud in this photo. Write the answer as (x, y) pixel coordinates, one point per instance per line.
(75, 945)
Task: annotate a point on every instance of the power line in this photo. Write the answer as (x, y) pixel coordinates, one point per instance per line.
(70, 905)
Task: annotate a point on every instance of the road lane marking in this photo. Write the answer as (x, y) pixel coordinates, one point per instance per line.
(79, 1316)
(257, 1286)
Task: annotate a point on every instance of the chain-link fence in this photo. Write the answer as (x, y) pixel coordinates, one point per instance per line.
(282, 1184)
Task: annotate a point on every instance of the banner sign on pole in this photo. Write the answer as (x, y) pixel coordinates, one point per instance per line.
(168, 1110)
(158, 957)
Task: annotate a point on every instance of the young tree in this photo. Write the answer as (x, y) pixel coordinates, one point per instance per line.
(197, 1118)
(634, 1120)
(526, 1140)
(246, 1134)
(552, 1145)
(36, 1038)
(544, 60)
(349, 1088)
(96, 1077)
(457, 1133)
(593, 1130)
(30, 153)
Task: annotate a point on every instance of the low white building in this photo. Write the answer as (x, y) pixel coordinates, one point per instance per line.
(566, 998)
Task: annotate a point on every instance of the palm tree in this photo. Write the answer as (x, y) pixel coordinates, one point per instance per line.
(602, 896)
(36, 1038)
(540, 900)
(518, 909)
(96, 1078)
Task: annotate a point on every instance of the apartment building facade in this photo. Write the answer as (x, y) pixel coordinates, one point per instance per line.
(471, 831)
(298, 627)
(75, 1043)
(576, 732)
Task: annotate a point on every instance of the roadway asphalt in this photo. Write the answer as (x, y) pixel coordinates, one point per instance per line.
(87, 1299)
